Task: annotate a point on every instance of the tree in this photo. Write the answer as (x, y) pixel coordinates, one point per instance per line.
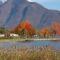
(47, 32)
(25, 28)
(53, 32)
(56, 28)
(2, 30)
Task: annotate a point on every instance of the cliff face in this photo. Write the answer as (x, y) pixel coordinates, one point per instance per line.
(13, 12)
(5, 10)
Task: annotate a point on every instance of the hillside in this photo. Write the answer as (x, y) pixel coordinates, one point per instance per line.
(13, 12)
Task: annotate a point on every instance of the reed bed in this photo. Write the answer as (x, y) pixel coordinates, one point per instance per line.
(29, 53)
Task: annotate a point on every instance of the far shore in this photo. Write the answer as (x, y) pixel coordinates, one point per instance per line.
(28, 39)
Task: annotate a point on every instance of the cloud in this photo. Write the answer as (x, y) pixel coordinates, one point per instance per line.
(3, 1)
(46, 1)
(29, 0)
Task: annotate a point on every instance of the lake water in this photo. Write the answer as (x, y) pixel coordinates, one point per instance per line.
(30, 44)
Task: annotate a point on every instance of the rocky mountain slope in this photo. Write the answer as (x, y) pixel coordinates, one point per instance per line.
(13, 12)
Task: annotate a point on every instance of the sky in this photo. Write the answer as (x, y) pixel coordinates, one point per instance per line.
(50, 4)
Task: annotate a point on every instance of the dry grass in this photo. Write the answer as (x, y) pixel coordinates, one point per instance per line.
(33, 53)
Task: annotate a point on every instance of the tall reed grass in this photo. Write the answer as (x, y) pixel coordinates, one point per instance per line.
(26, 53)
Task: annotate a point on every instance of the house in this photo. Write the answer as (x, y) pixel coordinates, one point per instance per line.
(14, 35)
(2, 35)
(11, 35)
(35, 36)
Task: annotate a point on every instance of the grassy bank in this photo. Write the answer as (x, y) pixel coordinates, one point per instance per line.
(13, 39)
(33, 53)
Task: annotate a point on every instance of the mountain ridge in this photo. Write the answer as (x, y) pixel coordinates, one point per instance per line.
(13, 12)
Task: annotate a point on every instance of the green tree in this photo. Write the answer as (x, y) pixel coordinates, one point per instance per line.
(4, 31)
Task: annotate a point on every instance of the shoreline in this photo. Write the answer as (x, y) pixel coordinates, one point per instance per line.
(28, 39)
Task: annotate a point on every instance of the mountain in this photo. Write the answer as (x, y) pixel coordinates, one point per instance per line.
(1, 2)
(13, 12)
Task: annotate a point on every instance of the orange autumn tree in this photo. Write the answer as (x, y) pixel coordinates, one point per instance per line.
(45, 32)
(25, 28)
(56, 26)
(50, 31)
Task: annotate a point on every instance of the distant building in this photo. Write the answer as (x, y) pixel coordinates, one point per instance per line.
(2, 35)
(35, 36)
(14, 35)
(9, 35)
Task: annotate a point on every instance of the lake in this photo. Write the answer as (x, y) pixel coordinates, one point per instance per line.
(55, 44)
